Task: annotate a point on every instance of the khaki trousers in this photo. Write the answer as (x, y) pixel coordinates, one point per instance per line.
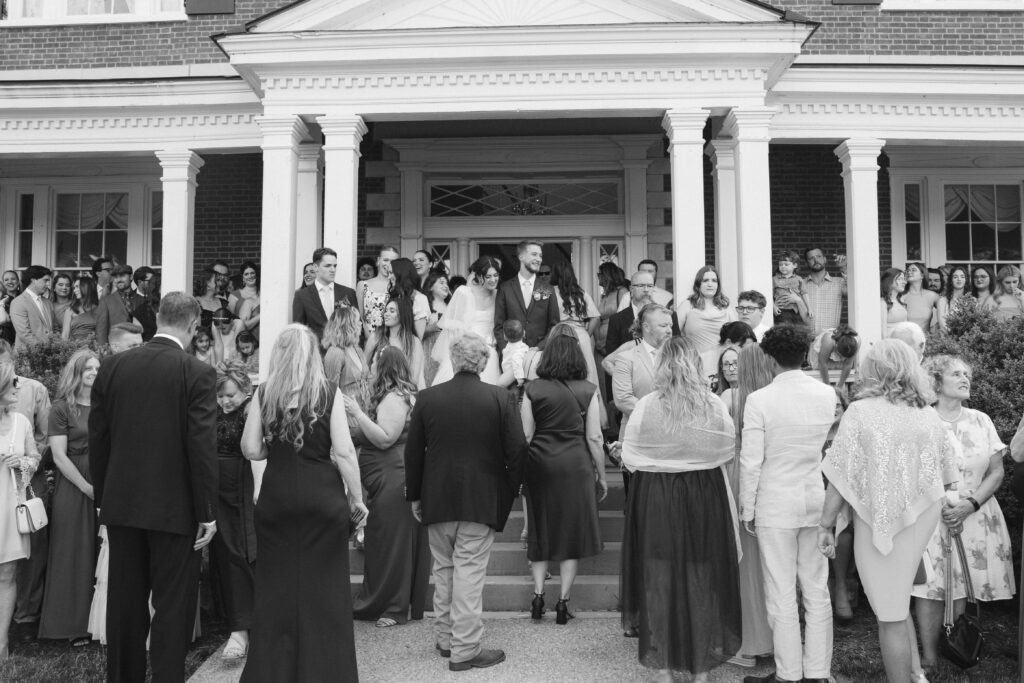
(461, 551)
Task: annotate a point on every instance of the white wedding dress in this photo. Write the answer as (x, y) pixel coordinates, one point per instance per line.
(465, 315)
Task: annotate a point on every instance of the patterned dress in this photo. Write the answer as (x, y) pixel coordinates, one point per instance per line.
(985, 537)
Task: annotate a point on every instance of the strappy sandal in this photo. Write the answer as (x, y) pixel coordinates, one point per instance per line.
(386, 622)
(235, 649)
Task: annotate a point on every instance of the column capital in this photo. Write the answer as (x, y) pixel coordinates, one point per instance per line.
(342, 131)
(748, 123)
(685, 125)
(179, 164)
(859, 154)
(309, 157)
(282, 132)
(722, 152)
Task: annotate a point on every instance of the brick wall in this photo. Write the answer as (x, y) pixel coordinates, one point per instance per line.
(114, 45)
(229, 209)
(865, 29)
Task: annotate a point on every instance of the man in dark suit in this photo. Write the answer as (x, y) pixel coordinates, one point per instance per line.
(463, 467)
(119, 306)
(641, 289)
(524, 299)
(152, 450)
(313, 306)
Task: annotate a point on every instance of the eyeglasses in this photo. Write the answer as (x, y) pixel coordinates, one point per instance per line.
(749, 309)
(730, 365)
(642, 286)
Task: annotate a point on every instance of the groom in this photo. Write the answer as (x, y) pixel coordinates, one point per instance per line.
(522, 298)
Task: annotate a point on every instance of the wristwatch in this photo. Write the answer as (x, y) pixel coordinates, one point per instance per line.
(972, 501)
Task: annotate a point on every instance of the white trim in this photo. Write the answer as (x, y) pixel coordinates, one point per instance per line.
(214, 70)
(72, 20)
(952, 6)
(901, 59)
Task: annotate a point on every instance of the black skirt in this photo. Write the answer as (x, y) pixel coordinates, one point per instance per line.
(680, 570)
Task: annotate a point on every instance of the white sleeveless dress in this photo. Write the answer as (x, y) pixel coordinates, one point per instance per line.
(461, 316)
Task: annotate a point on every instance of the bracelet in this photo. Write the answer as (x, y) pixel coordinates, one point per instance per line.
(972, 501)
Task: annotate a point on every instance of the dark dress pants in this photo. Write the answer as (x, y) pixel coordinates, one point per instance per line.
(142, 561)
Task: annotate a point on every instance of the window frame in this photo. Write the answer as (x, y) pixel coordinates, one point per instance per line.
(56, 16)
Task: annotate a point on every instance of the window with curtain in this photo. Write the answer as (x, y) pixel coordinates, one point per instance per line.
(72, 11)
(983, 223)
(156, 239)
(912, 220)
(26, 219)
(90, 225)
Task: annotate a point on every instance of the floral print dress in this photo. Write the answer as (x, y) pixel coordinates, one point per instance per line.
(985, 537)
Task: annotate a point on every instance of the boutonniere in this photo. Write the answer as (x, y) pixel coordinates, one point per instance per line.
(542, 294)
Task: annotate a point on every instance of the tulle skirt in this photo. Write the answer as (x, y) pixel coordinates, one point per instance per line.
(680, 570)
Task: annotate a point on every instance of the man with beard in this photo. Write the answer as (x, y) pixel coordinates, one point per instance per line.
(119, 307)
(525, 299)
(824, 292)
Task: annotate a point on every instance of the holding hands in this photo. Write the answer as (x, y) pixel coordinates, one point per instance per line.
(826, 542)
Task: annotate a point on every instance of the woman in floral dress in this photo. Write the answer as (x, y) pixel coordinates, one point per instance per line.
(984, 535)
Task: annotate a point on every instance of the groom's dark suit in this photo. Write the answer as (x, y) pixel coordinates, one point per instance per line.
(308, 309)
(538, 315)
(153, 455)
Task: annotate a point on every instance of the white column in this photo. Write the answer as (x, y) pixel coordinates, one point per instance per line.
(412, 209)
(723, 160)
(749, 127)
(309, 210)
(685, 129)
(342, 135)
(859, 158)
(586, 271)
(635, 209)
(281, 138)
(462, 257)
(180, 167)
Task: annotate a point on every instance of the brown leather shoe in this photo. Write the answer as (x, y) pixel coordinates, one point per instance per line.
(483, 659)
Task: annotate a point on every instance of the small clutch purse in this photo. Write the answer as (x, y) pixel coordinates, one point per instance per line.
(30, 512)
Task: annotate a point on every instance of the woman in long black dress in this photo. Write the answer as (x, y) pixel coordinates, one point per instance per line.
(562, 421)
(397, 564)
(71, 567)
(302, 623)
(233, 550)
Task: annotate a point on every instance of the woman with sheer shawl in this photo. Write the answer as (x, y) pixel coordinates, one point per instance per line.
(680, 573)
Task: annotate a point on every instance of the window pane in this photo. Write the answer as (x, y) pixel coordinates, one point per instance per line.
(117, 245)
(93, 211)
(24, 249)
(92, 245)
(156, 259)
(913, 241)
(116, 208)
(983, 242)
(68, 211)
(546, 198)
(912, 200)
(26, 211)
(158, 209)
(67, 250)
(956, 204)
(983, 203)
(1008, 203)
(1009, 242)
(958, 242)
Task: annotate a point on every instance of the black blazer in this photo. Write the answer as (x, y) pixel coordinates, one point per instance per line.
(465, 452)
(307, 309)
(618, 328)
(538, 316)
(153, 439)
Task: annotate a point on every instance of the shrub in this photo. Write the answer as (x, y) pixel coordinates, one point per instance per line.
(44, 362)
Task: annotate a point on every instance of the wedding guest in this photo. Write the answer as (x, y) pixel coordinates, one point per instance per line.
(222, 274)
(309, 274)
(397, 331)
(889, 428)
(824, 292)
(622, 325)
(463, 468)
(951, 299)
(72, 561)
(658, 295)
(32, 312)
(202, 346)
(406, 285)
(677, 441)
(62, 299)
(79, 324)
(842, 612)
(247, 352)
(788, 291)
(233, 551)
(562, 421)
(513, 359)
(34, 404)
(750, 306)
(147, 284)
(734, 335)
(577, 309)
(976, 514)
(373, 294)
(614, 298)
(226, 329)
(343, 361)
(781, 496)
(11, 288)
(456, 281)
(119, 307)
(702, 314)
(245, 302)
(438, 295)
(919, 300)
(18, 461)
(526, 298)
(755, 370)
(152, 455)
(936, 281)
(982, 284)
(910, 334)
(470, 309)
(894, 311)
(834, 350)
(101, 275)
(728, 373)
(633, 376)
(397, 559)
(423, 262)
(313, 306)
(302, 630)
(366, 269)
(1008, 299)
(124, 336)
(204, 289)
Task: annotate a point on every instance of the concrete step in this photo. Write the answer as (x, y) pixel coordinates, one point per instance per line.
(611, 523)
(514, 593)
(509, 559)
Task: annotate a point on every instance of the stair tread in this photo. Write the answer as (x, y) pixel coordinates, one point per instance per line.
(581, 580)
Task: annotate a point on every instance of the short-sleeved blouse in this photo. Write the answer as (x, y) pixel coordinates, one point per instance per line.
(75, 427)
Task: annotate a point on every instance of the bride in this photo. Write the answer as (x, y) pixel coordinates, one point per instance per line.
(471, 309)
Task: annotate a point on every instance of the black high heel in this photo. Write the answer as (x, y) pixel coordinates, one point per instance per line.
(537, 606)
(562, 613)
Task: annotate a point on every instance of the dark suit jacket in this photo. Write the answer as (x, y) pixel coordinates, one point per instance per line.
(538, 315)
(307, 309)
(153, 439)
(465, 452)
(618, 328)
(111, 311)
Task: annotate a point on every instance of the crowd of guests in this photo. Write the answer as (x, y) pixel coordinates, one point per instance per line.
(439, 402)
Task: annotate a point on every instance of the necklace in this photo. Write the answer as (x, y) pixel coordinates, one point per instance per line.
(955, 419)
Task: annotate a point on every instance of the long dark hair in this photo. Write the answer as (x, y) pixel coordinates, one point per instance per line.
(392, 374)
(246, 265)
(480, 267)
(563, 277)
(405, 328)
(949, 282)
(991, 280)
(611, 277)
(889, 276)
(697, 300)
(406, 280)
(432, 277)
(562, 357)
(88, 298)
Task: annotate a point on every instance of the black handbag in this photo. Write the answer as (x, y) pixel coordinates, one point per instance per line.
(961, 641)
